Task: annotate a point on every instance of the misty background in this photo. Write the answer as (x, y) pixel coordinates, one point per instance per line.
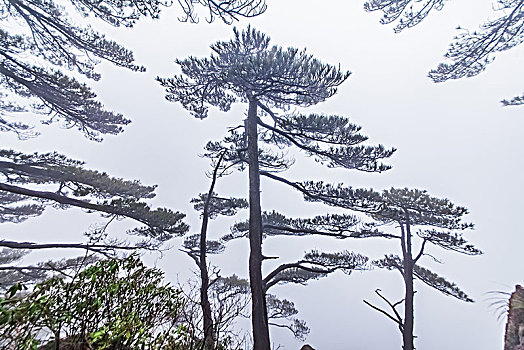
(453, 139)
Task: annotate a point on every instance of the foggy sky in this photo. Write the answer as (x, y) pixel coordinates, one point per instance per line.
(454, 139)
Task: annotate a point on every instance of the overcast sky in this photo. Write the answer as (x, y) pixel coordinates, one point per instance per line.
(453, 139)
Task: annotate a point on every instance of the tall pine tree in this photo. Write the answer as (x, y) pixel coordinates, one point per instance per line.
(247, 69)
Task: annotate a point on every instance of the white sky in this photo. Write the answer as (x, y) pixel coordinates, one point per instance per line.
(454, 140)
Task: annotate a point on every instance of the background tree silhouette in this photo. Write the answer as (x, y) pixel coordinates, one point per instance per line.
(470, 51)
(248, 69)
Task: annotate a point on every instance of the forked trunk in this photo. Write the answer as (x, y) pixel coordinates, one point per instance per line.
(258, 297)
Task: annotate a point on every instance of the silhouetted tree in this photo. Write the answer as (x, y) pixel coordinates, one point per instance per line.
(32, 182)
(439, 223)
(197, 246)
(471, 51)
(248, 69)
(39, 43)
(38, 40)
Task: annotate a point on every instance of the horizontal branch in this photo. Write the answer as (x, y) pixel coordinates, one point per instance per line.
(59, 198)
(92, 247)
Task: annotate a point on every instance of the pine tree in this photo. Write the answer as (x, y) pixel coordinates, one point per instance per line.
(247, 69)
(38, 41)
(314, 265)
(198, 246)
(438, 222)
(471, 51)
(33, 182)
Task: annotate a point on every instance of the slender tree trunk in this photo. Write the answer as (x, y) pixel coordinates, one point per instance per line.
(258, 297)
(407, 335)
(209, 335)
(204, 289)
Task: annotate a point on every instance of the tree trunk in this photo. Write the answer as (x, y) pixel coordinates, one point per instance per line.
(407, 334)
(258, 297)
(209, 340)
(209, 332)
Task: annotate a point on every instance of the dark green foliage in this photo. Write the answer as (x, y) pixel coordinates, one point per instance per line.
(440, 283)
(331, 140)
(13, 208)
(192, 245)
(515, 101)
(424, 275)
(117, 304)
(274, 224)
(73, 178)
(79, 187)
(218, 205)
(470, 52)
(315, 265)
(248, 65)
(449, 240)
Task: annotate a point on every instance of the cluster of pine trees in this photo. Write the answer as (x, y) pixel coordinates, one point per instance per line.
(96, 301)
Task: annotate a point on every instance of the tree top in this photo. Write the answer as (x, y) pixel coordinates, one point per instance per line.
(247, 67)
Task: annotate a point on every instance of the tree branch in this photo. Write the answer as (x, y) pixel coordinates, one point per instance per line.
(397, 319)
(421, 252)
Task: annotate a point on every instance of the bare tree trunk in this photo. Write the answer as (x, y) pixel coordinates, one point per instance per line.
(209, 334)
(209, 340)
(258, 298)
(407, 333)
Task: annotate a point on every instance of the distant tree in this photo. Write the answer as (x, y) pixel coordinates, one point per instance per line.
(439, 223)
(113, 304)
(248, 69)
(471, 51)
(197, 246)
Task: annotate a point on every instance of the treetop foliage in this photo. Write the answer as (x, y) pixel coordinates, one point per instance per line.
(407, 13)
(470, 51)
(248, 67)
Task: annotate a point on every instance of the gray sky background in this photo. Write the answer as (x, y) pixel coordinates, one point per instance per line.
(453, 139)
